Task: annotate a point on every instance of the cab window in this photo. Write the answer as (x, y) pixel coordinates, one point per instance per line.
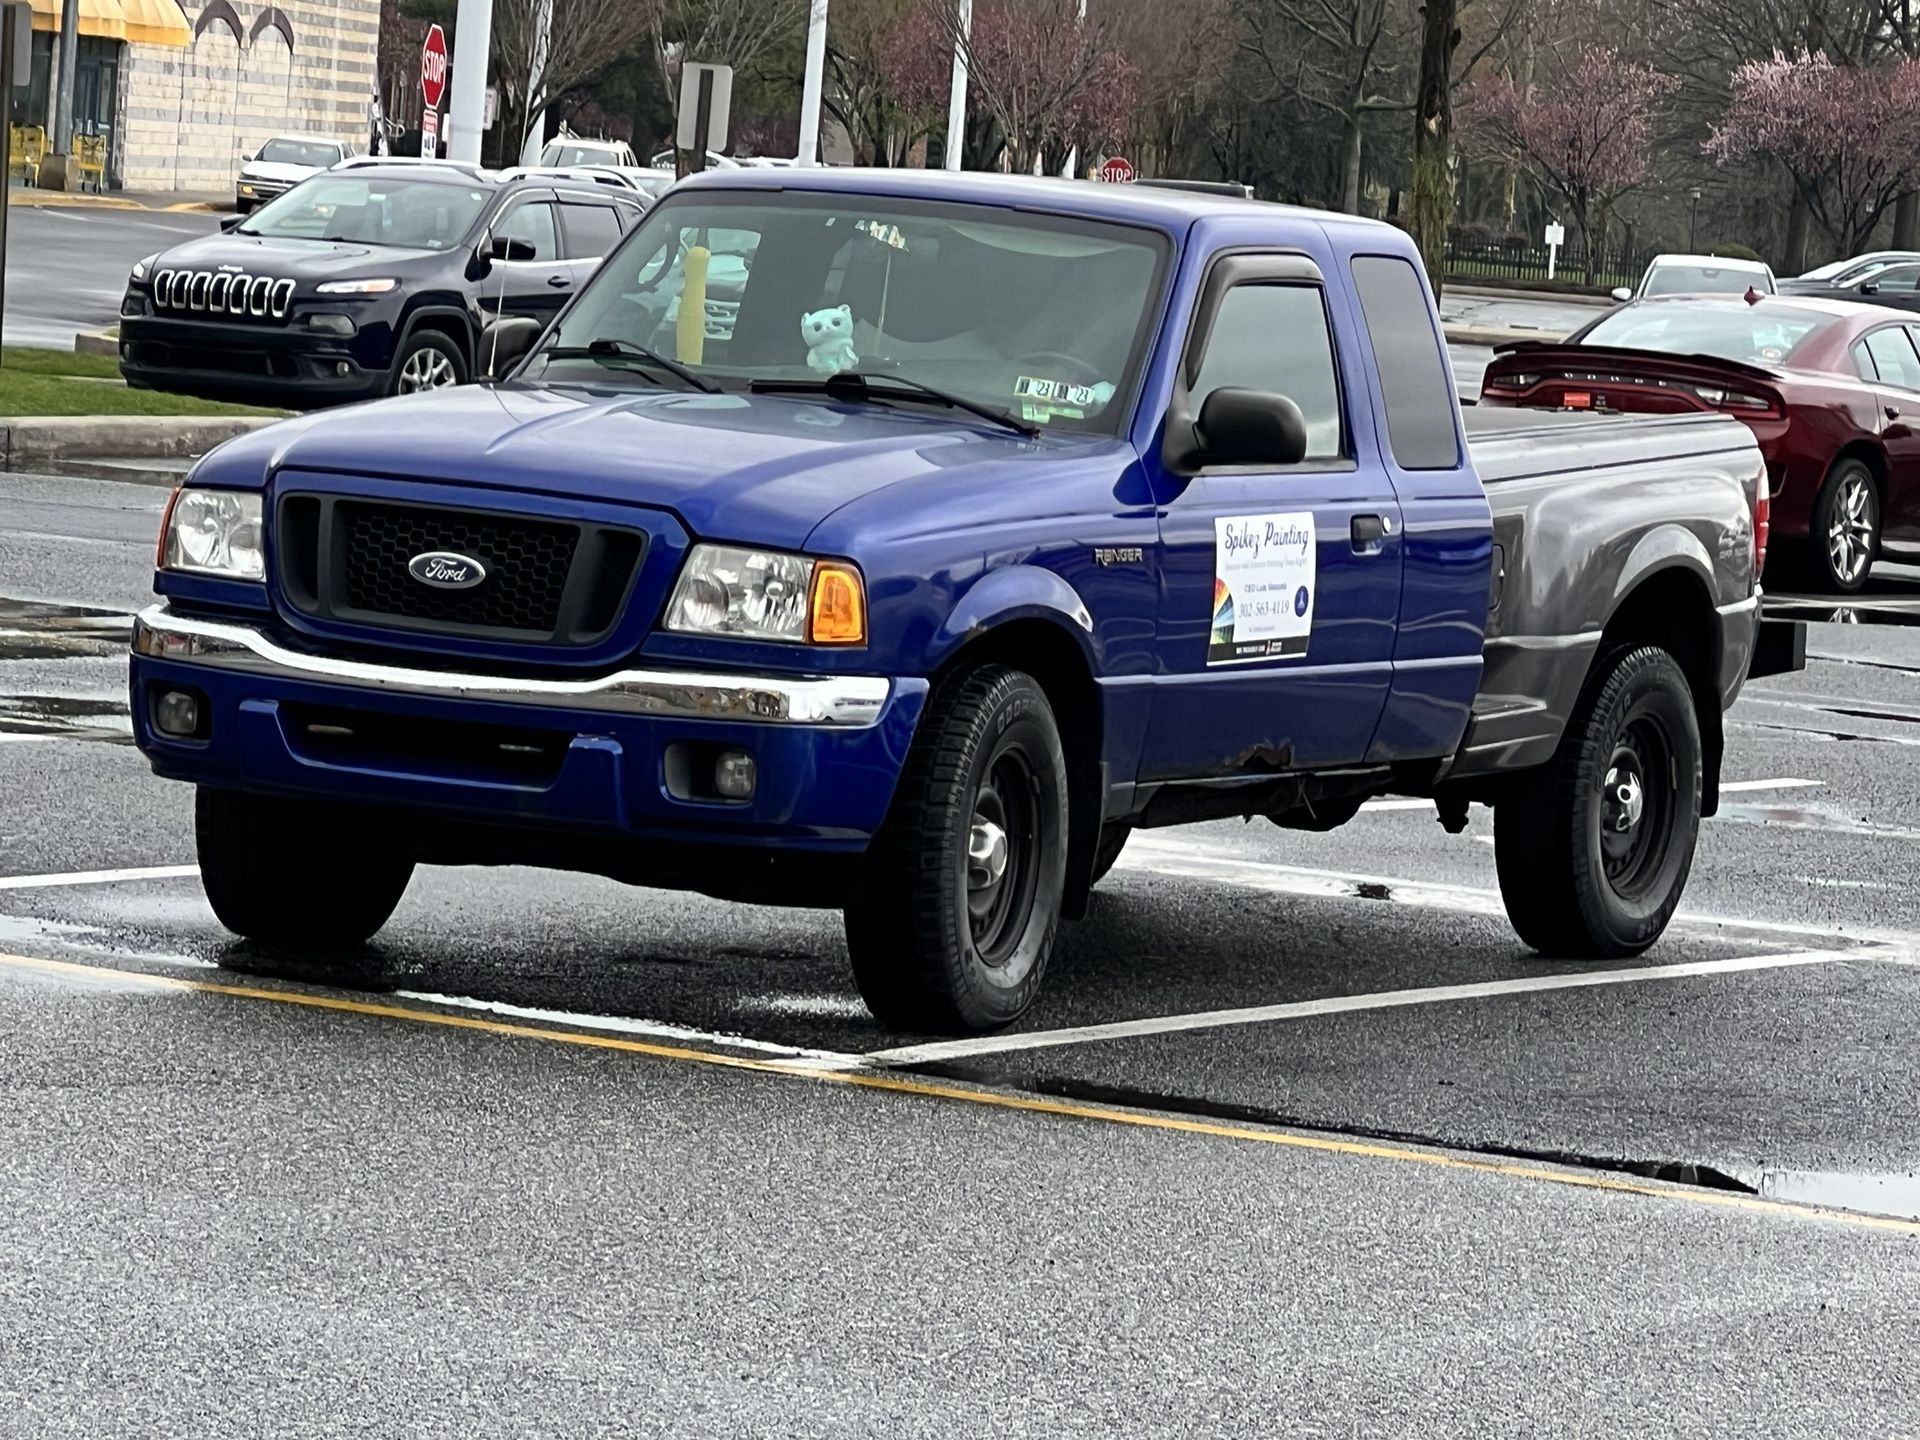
(1276, 338)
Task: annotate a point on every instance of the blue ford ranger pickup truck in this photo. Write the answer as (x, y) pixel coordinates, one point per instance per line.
(983, 521)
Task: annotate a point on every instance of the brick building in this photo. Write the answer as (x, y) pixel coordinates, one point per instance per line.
(184, 94)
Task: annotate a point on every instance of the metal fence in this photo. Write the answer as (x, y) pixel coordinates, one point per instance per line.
(1497, 260)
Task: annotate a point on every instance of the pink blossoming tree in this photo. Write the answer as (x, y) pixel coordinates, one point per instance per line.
(1587, 131)
(1848, 135)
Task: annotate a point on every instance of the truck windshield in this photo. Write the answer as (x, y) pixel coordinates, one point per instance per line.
(1755, 334)
(1042, 317)
(384, 210)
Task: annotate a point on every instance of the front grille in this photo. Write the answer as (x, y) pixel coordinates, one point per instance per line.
(221, 295)
(526, 563)
(546, 581)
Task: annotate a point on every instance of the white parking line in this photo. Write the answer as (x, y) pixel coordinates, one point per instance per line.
(1346, 1004)
(1731, 787)
(625, 1025)
(97, 877)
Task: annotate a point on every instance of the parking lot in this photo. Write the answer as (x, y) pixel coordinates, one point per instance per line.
(563, 1128)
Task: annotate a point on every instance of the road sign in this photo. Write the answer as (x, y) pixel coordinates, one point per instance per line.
(1556, 234)
(706, 93)
(429, 129)
(1117, 170)
(433, 67)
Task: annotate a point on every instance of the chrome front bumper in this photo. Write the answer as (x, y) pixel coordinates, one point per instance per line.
(847, 702)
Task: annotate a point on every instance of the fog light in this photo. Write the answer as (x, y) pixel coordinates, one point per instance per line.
(343, 368)
(177, 713)
(733, 775)
(332, 324)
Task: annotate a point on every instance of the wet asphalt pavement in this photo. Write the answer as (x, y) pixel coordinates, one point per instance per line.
(572, 1158)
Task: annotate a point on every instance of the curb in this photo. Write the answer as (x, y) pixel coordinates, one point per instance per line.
(61, 200)
(107, 342)
(92, 437)
(1490, 335)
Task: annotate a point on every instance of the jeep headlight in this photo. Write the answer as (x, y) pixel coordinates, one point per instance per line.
(141, 268)
(357, 287)
(769, 595)
(213, 532)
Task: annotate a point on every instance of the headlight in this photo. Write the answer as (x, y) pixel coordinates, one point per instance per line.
(357, 287)
(769, 595)
(141, 268)
(213, 532)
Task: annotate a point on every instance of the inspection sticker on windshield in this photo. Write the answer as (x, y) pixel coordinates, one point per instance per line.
(1042, 399)
(1263, 579)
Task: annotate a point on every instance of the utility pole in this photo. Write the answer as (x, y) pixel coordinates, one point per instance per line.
(813, 83)
(56, 167)
(467, 115)
(1073, 152)
(535, 139)
(957, 96)
(1433, 137)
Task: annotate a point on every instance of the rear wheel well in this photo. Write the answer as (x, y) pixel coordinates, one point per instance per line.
(1673, 611)
(1869, 455)
(1050, 654)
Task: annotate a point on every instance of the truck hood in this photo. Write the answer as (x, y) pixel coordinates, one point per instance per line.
(761, 469)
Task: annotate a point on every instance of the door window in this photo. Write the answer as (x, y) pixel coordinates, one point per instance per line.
(1894, 357)
(592, 230)
(1276, 338)
(531, 224)
(1898, 280)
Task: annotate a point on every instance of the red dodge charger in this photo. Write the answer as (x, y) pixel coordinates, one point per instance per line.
(1831, 390)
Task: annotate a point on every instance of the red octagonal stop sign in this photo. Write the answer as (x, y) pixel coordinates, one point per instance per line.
(433, 68)
(1117, 171)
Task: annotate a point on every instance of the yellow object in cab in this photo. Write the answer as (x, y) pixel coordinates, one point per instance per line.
(690, 332)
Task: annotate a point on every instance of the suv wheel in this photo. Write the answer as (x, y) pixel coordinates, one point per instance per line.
(428, 361)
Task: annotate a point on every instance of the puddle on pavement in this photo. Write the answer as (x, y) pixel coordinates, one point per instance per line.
(140, 470)
(33, 630)
(1800, 817)
(1894, 1196)
(73, 717)
(1827, 613)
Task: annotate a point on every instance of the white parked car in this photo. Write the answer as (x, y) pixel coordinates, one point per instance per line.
(1700, 275)
(571, 150)
(282, 163)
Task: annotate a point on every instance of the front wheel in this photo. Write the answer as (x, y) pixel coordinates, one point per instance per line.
(1594, 852)
(299, 876)
(952, 925)
(428, 361)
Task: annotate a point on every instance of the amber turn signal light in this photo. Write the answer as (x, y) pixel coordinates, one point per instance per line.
(838, 614)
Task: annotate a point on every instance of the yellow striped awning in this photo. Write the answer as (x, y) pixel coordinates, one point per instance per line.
(156, 22)
(102, 18)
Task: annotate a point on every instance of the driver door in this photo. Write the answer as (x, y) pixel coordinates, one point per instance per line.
(534, 282)
(1280, 585)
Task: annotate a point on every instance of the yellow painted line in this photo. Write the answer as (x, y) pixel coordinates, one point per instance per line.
(801, 1069)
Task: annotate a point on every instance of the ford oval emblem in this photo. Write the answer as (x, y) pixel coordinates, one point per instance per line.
(445, 570)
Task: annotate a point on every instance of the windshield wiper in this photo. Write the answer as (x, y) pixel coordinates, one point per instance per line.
(852, 385)
(609, 347)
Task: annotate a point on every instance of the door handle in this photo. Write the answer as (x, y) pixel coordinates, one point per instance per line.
(1893, 412)
(1368, 531)
(559, 282)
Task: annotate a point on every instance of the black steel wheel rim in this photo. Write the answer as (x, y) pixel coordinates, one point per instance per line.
(1000, 898)
(1637, 808)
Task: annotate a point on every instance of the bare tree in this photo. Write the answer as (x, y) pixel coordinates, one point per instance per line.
(583, 38)
(720, 32)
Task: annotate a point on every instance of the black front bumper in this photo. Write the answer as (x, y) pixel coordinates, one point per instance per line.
(251, 362)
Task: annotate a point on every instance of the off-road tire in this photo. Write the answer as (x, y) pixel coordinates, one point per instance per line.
(920, 955)
(1554, 862)
(298, 876)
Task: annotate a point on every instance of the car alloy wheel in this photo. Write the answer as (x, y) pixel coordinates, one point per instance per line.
(426, 369)
(1850, 528)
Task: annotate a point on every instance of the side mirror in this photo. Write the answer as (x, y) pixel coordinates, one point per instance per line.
(506, 248)
(481, 261)
(1250, 427)
(505, 343)
(1869, 288)
(1622, 294)
(230, 222)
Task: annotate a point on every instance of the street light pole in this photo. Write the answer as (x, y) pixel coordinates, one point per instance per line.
(813, 84)
(1073, 152)
(957, 96)
(535, 140)
(63, 89)
(467, 115)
